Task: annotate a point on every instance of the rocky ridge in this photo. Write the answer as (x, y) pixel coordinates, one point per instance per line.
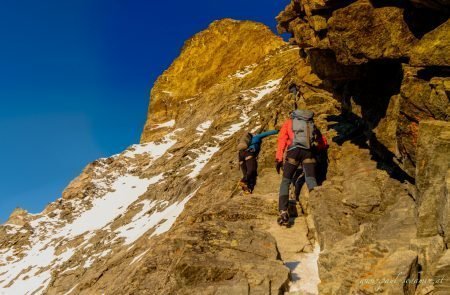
(165, 215)
(387, 63)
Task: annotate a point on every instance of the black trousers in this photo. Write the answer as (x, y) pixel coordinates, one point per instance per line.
(249, 168)
(294, 158)
(298, 181)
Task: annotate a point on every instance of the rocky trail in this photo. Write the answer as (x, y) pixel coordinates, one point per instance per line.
(297, 251)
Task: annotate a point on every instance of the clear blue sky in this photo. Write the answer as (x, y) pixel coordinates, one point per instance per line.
(75, 77)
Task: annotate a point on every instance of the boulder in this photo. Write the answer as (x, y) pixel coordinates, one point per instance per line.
(421, 99)
(442, 275)
(433, 160)
(360, 32)
(433, 49)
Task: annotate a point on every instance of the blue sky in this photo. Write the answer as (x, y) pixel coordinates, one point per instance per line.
(75, 77)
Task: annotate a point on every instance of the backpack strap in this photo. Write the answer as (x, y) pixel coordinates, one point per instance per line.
(308, 138)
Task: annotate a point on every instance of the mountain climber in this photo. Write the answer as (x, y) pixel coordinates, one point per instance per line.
(296, 146)
(249, 148)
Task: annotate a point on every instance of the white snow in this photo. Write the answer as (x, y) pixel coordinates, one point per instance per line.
(244, 72)
(257, 93)
(161, 221)
(137, 258)
(255, 129)
(170, 215)
(71, 290)
(32, 272)
(167, 124)
(305, 273)
(253, 95)
(203, 127)
(205, 153)
(233, 128)
(88, 263)
(154, 149)
(127, 189)
(47, 237)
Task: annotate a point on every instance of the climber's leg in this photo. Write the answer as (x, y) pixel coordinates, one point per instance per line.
(243, 166)
(309, 165)
(299, 182)
(252, 171)
(289, 168)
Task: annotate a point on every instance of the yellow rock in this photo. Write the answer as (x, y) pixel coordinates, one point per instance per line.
(223, 49)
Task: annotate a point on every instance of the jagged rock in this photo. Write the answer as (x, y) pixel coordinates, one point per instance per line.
(18, 217)
(433, 48)
(192, 72)
(421, 99)
(429, 251)
(165, 216)
(360, 32)
(364, 42)
(433, 158)
(326, 66)
(386, 131)
(442, 274)
(395, 274)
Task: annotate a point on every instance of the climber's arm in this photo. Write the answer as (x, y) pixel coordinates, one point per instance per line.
(283, 138)
(267, 133)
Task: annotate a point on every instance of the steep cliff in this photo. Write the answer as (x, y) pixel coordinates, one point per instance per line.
(387, 63)
(165, 216)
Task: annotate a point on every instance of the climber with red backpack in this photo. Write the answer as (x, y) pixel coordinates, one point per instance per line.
(297, 142)
(249, 147)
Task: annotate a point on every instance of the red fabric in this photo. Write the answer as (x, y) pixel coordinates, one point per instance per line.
(285, 138)
(322, 143)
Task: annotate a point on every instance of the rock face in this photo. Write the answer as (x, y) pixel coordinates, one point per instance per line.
(165, 216)
(224, 49)
(387, 65)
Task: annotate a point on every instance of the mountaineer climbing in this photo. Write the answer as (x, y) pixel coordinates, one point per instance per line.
(297, 138)
(249, 148)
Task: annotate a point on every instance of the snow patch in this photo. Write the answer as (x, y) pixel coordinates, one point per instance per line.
(305, 273)
(203, 127)
(137, 258)
(41, 258)
(161, 221)
(257, 93)
(167, 124)
(244, 72)
(154, 149)
(71, 290)
(205, 153)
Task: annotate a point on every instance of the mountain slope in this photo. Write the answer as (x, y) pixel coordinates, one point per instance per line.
(165, 216)
(117, 212)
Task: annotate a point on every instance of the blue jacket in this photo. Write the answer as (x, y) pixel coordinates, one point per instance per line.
(255, 144)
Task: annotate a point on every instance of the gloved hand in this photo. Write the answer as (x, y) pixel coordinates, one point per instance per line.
(278, 166)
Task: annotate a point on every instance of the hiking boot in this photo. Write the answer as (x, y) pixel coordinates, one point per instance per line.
(242, 184)
(283, 219)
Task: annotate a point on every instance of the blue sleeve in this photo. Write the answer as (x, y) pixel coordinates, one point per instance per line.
(265, 134)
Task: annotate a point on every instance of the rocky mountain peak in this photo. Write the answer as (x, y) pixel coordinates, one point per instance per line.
(165, 216)
(209, 57)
